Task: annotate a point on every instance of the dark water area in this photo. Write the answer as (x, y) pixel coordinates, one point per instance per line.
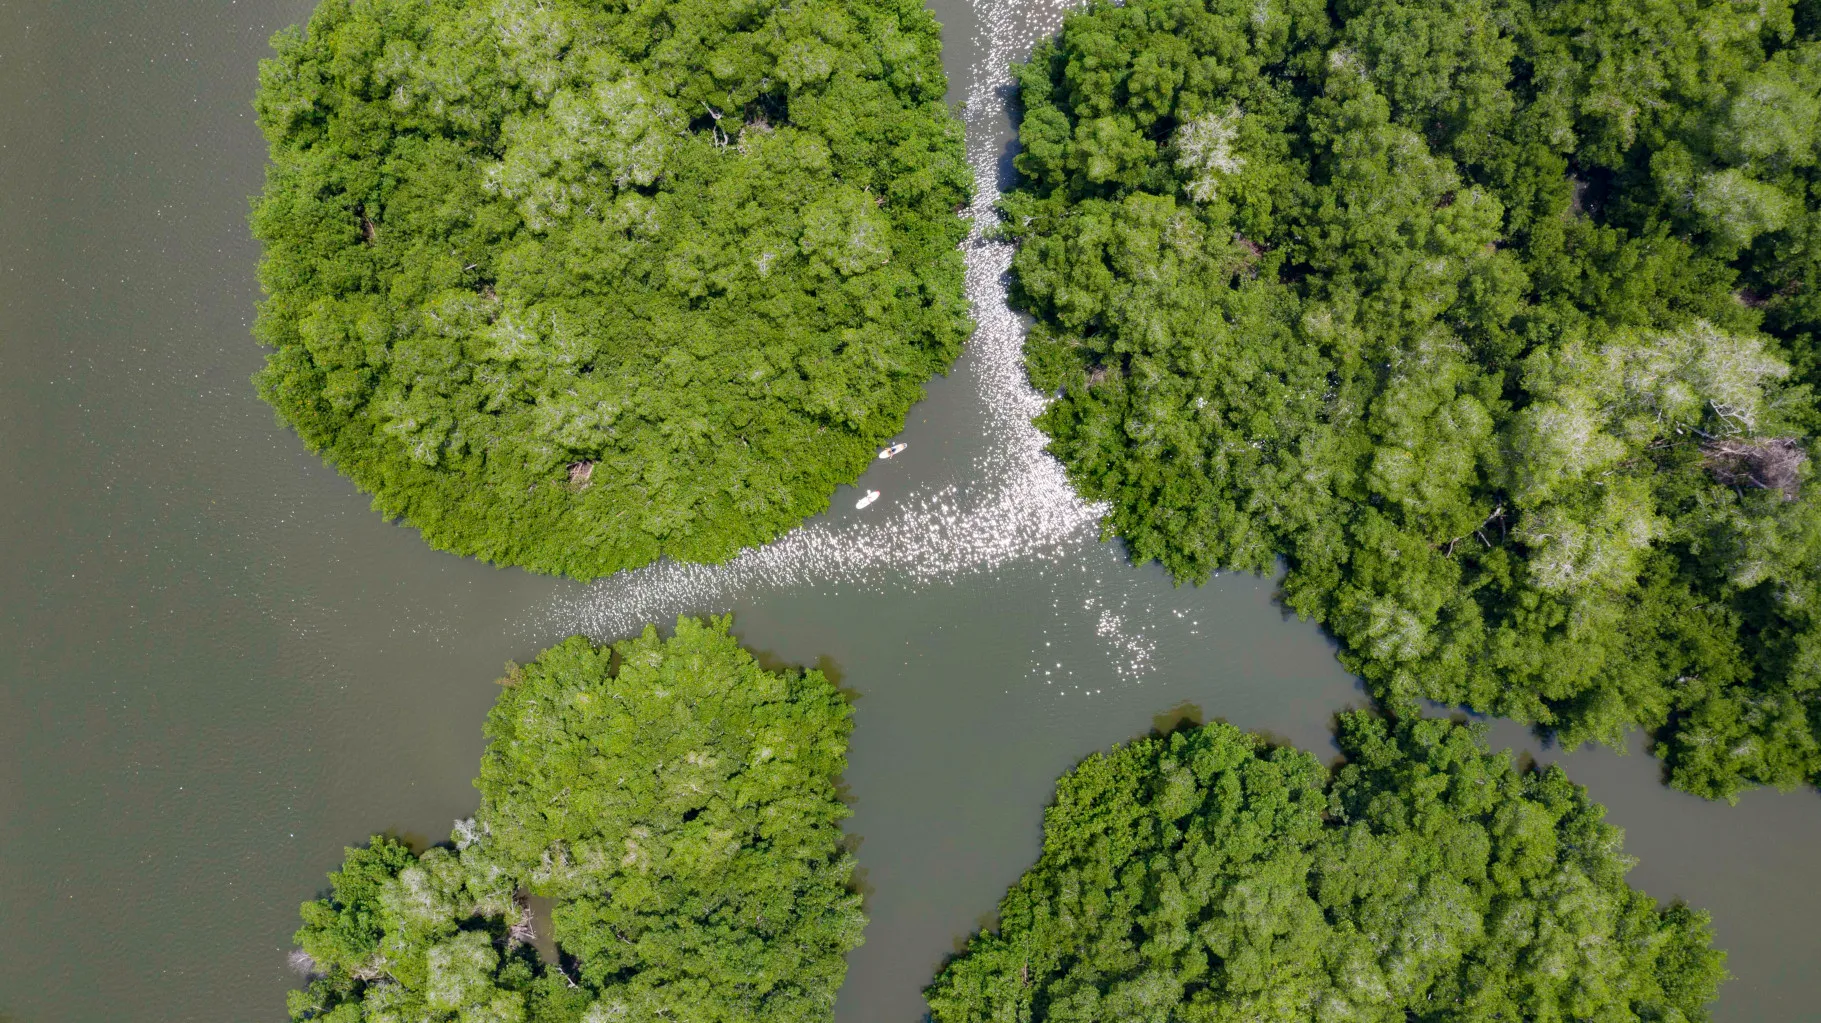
(221, 667)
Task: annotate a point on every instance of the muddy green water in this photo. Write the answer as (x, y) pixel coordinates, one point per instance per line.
(220, 667)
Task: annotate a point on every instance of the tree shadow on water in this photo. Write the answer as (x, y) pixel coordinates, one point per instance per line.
(985, 923)
(1183, 716)
(1005, 168)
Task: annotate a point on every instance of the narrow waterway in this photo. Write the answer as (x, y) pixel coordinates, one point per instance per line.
(223, 667)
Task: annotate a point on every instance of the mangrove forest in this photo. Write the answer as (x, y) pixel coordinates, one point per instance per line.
(574, 286)
(1493, 320)
(1209, 877)
(676, 804)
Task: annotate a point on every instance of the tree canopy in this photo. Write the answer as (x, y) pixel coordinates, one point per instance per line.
(1493, 319)
(676, 801)
(1209, 877)
(575, 285)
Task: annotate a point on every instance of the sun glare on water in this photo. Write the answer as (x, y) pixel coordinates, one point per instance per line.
(1019, 507)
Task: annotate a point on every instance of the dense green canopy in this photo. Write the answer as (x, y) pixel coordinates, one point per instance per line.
(681, 811)
(1493, 318)
(574, 285)
(1206, 877)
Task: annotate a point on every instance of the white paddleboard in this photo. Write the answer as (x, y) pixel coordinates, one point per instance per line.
(893, 450)
(871, 496)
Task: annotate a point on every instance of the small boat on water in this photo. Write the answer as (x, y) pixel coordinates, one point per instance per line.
(871, 496)
(895, 449)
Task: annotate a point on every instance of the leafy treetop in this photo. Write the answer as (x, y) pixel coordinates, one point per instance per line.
(1208, 877)
(1493, 318)
(577, 285)
(680, 810)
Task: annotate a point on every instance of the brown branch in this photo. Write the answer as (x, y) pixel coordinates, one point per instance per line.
(1768, 463)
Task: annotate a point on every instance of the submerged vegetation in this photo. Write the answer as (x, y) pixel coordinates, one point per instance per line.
(574, 286)
(1494, 319)
(1208, 877)
(677, 803)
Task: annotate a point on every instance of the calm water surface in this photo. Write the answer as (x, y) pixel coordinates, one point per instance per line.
(222, 667)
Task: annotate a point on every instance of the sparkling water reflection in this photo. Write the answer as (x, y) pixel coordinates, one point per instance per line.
(1013, 503)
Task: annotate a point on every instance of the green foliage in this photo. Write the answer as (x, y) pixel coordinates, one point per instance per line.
(1208, 877)
(675, 800)
(574, 286)
(1493, 319)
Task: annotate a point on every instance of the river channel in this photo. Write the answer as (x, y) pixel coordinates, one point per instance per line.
(221, 667)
